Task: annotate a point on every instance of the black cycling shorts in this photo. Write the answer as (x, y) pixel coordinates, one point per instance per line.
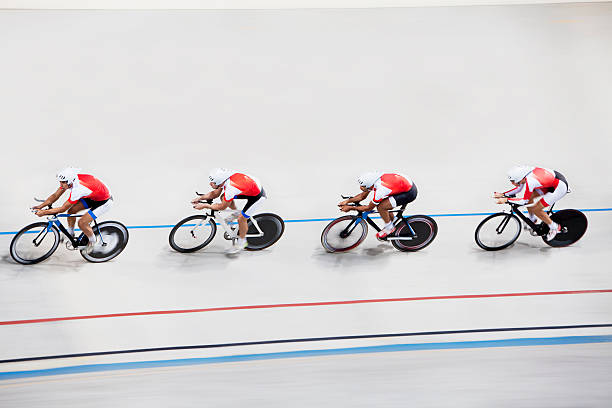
(250, 201)
(91, 204)
(405, 197)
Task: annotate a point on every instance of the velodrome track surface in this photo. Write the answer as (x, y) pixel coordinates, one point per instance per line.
(306, 100)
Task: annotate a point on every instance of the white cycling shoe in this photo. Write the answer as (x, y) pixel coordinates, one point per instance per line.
(554, 229)
(92, 246)
(239, 245)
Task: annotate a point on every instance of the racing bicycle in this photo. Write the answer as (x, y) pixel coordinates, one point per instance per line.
(196, 231)
(38, 241)
(347, 232)
(500, 230)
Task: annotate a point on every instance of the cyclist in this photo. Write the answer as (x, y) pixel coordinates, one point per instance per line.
(533, 183)
(86, 193)
(390, 190)
(230, 185)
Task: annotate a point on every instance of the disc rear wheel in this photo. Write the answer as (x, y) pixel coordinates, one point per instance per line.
(421, 233)
(112, 237)
(573, 226)
(272, 227)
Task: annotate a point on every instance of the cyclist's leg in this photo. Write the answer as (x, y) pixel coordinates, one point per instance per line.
(86, 228)
(400, 199)
(94, 210)
(549, 199)
(532, 216)
(383, 209)
(79, 206)
(250, 208)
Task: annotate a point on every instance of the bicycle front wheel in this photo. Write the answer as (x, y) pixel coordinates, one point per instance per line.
(272, 227)
(344, 234)
(422, 231)
(192, 233)
(498, 231)
(114, 239)
(34, 243)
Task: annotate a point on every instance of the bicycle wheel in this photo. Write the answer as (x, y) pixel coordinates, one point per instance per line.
(272, 227)
(498, 231)
(344, 233)
(34, 243)
(192, 233)
(573, 226)
(114, 237)
(425, 230)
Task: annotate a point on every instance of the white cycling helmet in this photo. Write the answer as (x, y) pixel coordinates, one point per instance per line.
(219, 175)
(69, 174)
(368, 179)
(517, 173)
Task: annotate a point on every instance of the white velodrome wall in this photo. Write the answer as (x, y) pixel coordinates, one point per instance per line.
(305, 100)
(254, 4)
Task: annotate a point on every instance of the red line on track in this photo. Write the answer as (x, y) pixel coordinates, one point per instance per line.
(283, 305)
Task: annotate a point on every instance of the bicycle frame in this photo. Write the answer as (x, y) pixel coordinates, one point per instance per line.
(232, 233)
(54, 221)
(514, 209)
(364, 216)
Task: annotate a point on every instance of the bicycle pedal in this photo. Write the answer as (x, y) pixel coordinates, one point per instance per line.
(71, 247)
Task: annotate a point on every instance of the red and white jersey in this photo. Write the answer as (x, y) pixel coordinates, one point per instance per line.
(240, 184)
(390, 184)
(540, 179)
(87, 186)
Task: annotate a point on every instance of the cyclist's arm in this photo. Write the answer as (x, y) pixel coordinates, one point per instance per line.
(526, 195)
(514, 191)
(368, 207)
(220, 206)
(57, 210)
(51, 199)
(211, 195)
(359, 197)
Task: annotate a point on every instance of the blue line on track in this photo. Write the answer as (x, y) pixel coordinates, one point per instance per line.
(331, 219)
(541, 341)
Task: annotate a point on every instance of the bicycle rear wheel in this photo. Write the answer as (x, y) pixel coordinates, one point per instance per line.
(114, 237)
(34, 243)
(192, 233)
(344, 234)
(573, 224)
(425, 230)
(272, 227)
(498, 231)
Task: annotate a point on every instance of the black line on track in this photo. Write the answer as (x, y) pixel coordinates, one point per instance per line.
(310, 339)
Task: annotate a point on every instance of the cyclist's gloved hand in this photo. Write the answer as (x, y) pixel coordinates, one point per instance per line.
(498, 195)
(201, 206)
(346, 208)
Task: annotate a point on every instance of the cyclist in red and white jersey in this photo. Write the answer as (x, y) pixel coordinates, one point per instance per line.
(390, 190)
(536, 183)
(230, 185)
(86, 193)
